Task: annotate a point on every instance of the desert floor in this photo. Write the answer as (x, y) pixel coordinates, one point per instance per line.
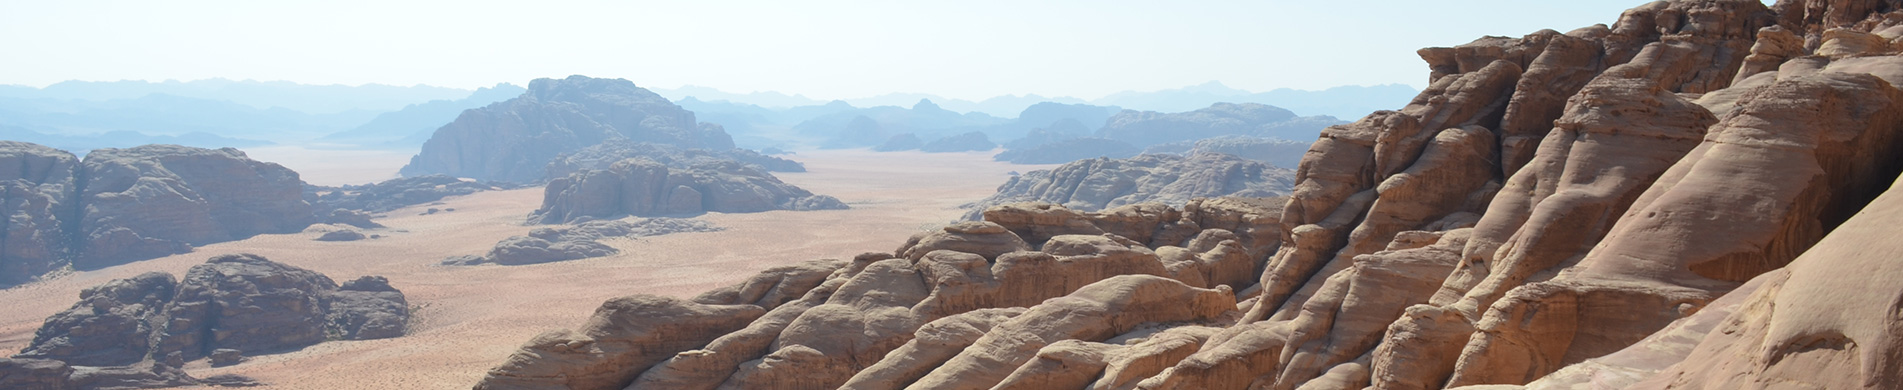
(470, 318)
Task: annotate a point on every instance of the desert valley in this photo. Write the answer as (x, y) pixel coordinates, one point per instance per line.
(1693, 194)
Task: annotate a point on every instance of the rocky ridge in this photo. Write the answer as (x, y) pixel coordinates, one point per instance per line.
(119, 205)
(1691, 197)
(643, 187)
(580, 241)
(137, 332)
(1103, 183)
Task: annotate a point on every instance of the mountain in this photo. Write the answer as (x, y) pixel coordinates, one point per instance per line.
(161, 114)
(410, 126)
(1349, 101)
(515, 140)
(315, 99)
(1701, 194)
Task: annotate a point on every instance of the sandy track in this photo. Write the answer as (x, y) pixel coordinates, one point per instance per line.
(469, 318)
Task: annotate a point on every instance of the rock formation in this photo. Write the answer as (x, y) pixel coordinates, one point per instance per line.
(1278, 152)
(1146, 128)
(1068, 150)
(642, 187)
(136, 332)
(1103, 183)
(515, 140)
(386, 195)
(120, 205)
(1693, 197)
(1117, 276)
(580, 241)
(600, 156)
(966, 142)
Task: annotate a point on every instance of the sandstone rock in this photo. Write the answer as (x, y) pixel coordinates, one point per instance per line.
(36, 189)
(35, 374)
(158, 200)
(624, 337)
(341, 235)
(982, 238)
(580, 241)
(108, 326)
(606, 153)
(1098, 184)
(931, 346)
(138, 332)
(1096, 312)
(351, 204)
(226, 357)
(642, 187)
(1277, 152)
(514, 140)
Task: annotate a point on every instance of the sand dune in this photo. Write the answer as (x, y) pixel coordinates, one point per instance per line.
(469, 318)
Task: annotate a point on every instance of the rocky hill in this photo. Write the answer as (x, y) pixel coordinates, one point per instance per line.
(1697, 196)
(1103, 183)
(137, 332)
(514, 140)
(1278, 152)
(642, 187)
(1145, 128)
(120, 205)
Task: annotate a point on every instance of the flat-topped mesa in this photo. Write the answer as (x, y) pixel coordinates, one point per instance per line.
(514, 140)
(642, 187)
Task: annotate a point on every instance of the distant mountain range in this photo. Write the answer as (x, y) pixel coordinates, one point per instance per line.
(314, 99)
(1346, 102)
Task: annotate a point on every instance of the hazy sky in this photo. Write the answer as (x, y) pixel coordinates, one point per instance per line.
(822, 49)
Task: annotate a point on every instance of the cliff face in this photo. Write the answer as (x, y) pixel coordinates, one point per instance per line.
(514, 140)
(120, 205)
(1691, 197)
(1102, 183)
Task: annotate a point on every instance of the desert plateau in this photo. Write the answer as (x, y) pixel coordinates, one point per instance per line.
(1676, 194)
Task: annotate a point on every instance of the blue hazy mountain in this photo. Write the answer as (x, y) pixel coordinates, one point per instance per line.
(1349, 102)
(169, 115)
(874, 125)
(316, 99)
(410, 126)
(80, 144)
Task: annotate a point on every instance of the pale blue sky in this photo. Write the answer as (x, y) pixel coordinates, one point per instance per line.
(822, 49)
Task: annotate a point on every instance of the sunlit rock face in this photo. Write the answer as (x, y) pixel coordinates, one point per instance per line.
(1692, 196)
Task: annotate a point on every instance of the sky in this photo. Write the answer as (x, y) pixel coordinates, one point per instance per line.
(968, 49)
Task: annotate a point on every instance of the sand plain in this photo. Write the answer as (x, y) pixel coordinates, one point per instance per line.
(467, 319)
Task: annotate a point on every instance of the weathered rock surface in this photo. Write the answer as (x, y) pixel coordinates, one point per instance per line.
(581, 241)
(624, 337)
(1687, 198)
(158, 200)
(135, 333)
(352, 204)
(642, 187)
(828, 324)
(120, 205)
(1278, 152)
(35, 374)
(606, 153)
(515, 140)
(1098, 184)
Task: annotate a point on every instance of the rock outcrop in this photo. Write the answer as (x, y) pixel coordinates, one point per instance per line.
(600, 156)
(136, 332)
(1068, 150)
(1116, 276)
(1103, 183)
(1146, 128)
(120, 205)
(1695, 196)
(581, 241)
(1278, 152)
(515, 140)
(642, 187)
(352, 204)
